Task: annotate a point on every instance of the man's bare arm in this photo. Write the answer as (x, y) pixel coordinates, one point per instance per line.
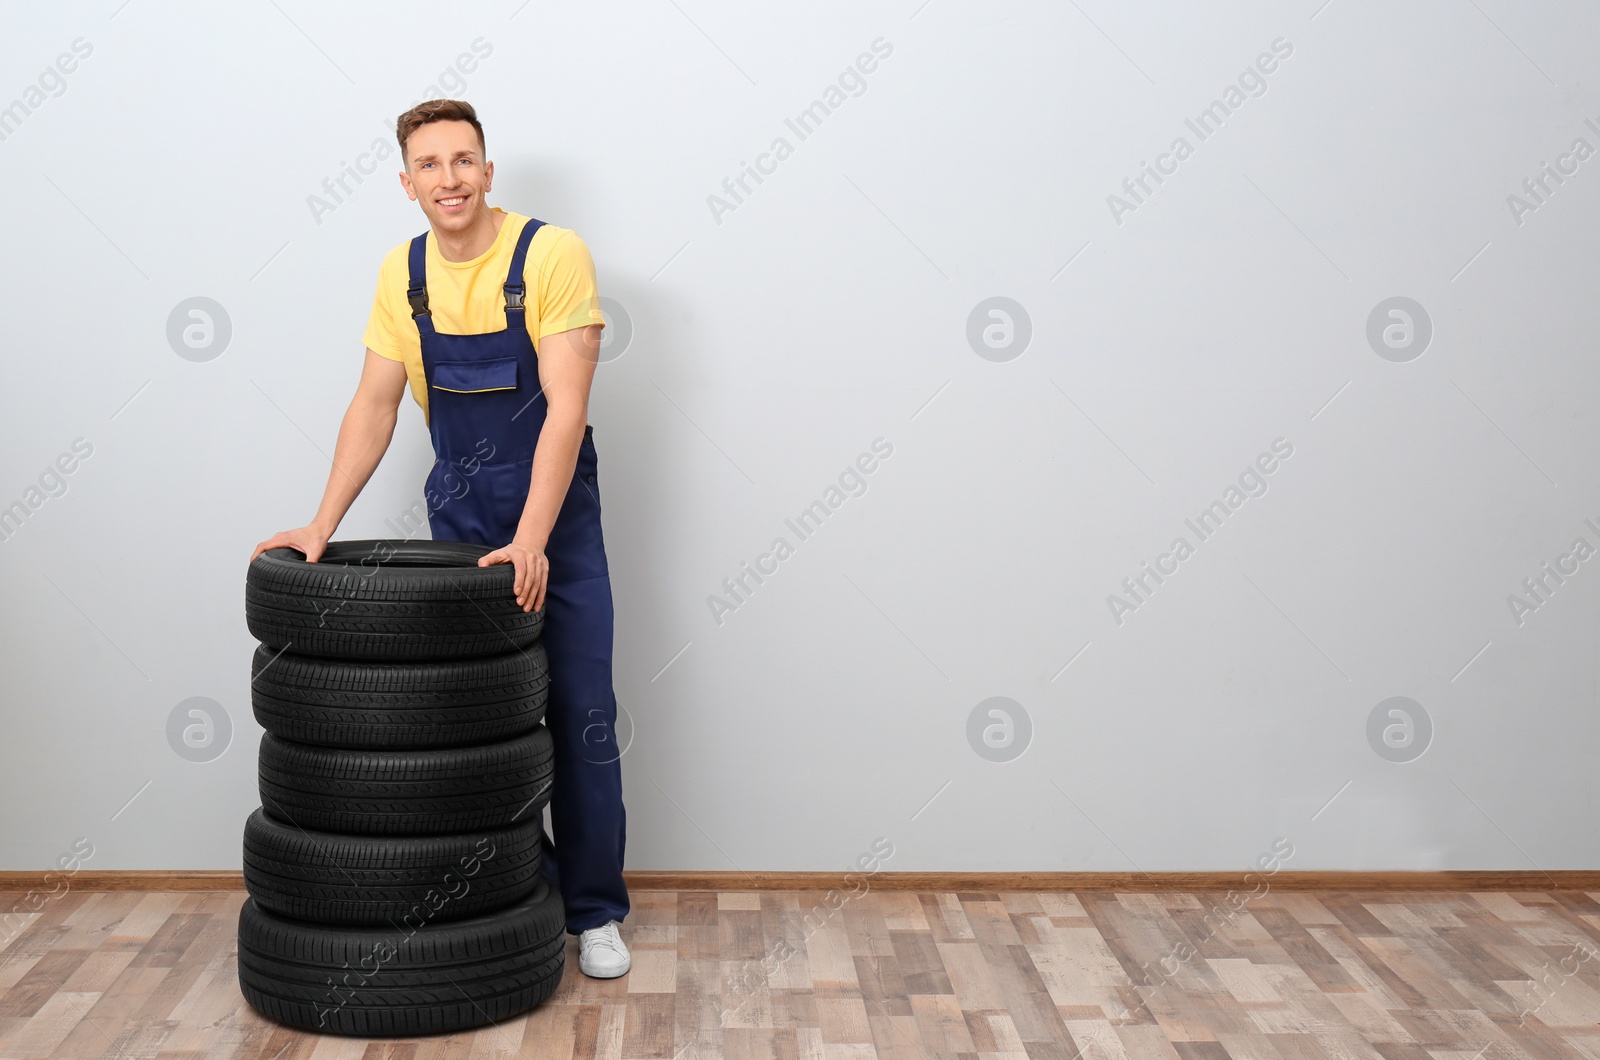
(364, 437)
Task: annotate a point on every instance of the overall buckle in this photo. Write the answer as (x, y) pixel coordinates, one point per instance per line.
(418, 297)
(514, 295)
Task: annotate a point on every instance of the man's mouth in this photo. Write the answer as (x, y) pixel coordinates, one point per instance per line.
(453, 204)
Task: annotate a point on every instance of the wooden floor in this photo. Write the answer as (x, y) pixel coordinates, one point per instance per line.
(904, 975)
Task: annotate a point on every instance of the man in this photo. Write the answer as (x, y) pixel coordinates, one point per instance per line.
(456, 315)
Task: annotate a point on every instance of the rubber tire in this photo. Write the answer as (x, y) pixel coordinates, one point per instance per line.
(412, 792)
(369, 705)
(417, 978)
(387, 599)
(341, 879)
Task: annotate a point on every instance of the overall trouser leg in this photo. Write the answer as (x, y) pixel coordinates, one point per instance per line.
(586, 811)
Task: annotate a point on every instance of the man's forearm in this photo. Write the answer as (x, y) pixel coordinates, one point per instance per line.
(554, 457)
(364, 437)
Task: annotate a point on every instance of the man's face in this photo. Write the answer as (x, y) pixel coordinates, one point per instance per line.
(447, 174)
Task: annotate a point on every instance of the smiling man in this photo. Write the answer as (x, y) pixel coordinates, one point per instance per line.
(494, 320)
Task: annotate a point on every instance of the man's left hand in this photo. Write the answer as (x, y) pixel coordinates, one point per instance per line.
(533, 571)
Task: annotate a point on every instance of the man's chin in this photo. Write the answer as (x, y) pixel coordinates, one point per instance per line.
(451, 221)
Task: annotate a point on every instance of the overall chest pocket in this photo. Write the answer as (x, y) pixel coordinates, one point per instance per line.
(474, 377)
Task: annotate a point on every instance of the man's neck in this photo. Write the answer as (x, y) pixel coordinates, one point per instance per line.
(470, 242)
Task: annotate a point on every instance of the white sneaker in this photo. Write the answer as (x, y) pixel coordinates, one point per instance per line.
(602, 954)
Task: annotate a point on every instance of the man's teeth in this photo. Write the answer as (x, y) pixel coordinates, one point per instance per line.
(452, 202)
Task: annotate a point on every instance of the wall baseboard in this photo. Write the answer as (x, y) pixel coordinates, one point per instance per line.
(1127, 882)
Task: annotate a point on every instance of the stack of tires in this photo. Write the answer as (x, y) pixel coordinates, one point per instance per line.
(394, 865)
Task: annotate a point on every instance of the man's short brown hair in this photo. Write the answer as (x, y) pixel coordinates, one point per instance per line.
(431, 111)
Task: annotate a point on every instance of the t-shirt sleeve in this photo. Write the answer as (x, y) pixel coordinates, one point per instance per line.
(568, 296)
(380, 333)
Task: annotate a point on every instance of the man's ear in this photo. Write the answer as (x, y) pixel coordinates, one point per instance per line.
(405, 182)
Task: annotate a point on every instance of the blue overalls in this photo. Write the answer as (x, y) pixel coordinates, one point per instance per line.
(486, 411)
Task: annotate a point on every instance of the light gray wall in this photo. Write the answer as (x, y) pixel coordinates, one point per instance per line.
(1172, 342)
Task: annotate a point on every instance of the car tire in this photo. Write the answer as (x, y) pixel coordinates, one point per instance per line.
(417, 977)
(373, 880)
(387, 599)
(447, 791)
(375, 705)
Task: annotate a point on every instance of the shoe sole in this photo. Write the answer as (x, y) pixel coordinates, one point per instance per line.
(604, 975)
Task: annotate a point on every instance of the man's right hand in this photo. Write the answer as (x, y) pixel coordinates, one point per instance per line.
(307, 539)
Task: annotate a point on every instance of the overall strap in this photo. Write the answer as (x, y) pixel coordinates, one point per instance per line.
(417, 292)
(515, 289)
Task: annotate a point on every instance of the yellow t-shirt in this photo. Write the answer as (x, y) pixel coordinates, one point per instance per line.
(466, 297)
